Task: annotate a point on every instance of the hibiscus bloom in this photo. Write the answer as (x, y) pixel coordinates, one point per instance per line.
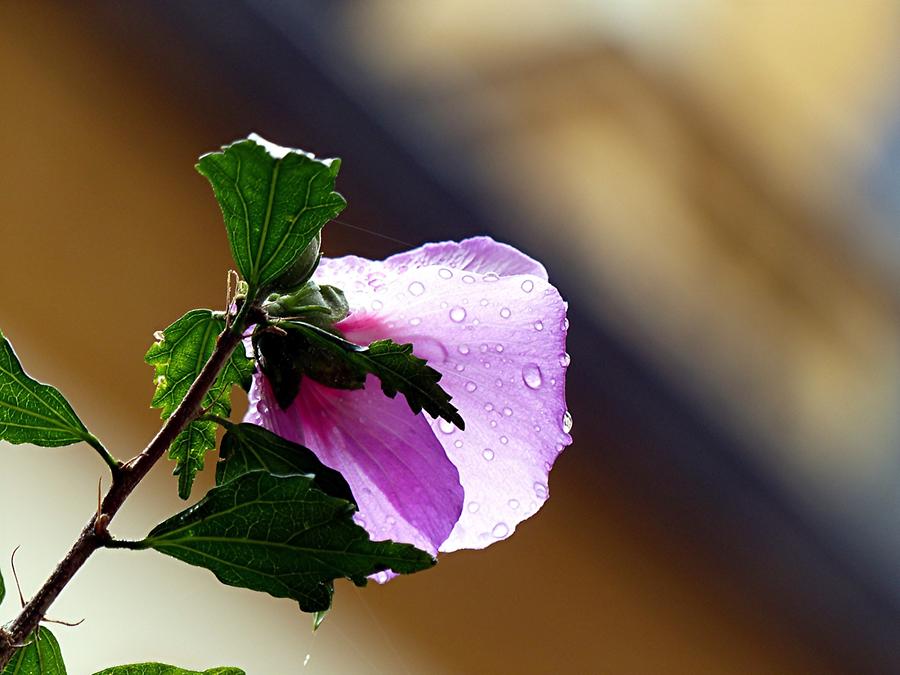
(485, 316)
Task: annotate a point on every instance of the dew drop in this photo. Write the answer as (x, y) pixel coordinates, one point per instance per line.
(484, 302)
(507, 412)
(500, 530)
(491, 277)
(504, 440)
(445, 426)
(473, 507)
(528, 285)
(498, 382)
(415, 321)
(499, 349)
(471, 386)
(463, 349)
(567, 422)
(537, 428)
(505, 313)
(483, 348)
(460, 367)
(457, 314)
(565, 324)
(488, 454)
(539, 325)
(513, 503)
(377, 305)
(489, 407)
(540, 490)
(532, 376)
(468, 279)
(493, 424)
(444, 273)
(565, 360)
(457, 444)
(416, 288)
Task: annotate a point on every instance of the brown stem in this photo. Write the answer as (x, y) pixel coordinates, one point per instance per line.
(95, 535)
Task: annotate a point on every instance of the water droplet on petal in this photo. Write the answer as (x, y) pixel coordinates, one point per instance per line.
(457, 444)
(504, 440)
(377, 305)
(416, 288)
(483, 348)
(507, 412)
(540, 490)
(528, 285)
(505, 313)
(471, 386)
(484, 302)
(491, 277)
(463, 349)
(444, 273)
(468, 279)
(415, 321)
(532, 376)
(457, 314)
(513, 503)
(488, 454)
(489, 407)
(445, 426)
(567, 422)
(473, 507)
(500, 530)
(499, 349)
(493, 424)
(539, 325)
(565, 360)
(565, 325)
(460, 367)
(537, 428)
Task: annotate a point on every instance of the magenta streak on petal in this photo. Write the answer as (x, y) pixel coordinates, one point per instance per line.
(406, 488)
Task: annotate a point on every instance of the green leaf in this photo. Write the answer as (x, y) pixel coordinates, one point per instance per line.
(248, 447)
(335, 362)
(31, 412)
(163, 669)
(40, 656)
(282, 536)
(274, 201)
(178, 357)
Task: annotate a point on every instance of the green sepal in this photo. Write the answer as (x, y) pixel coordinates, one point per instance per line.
(178, 356)
(163, 669)
(248, 447)
(322, 306)
(274, 200)
(308, 350)
(32, 412)
(40, 656)
(282, 536)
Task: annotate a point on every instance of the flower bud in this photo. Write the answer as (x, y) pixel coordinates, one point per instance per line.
(302, 269)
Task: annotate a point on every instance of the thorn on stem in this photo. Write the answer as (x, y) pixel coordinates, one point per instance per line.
(70, 624)
(12, 563)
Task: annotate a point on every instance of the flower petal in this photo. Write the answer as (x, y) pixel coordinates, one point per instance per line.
(500, 343)
(406, 488)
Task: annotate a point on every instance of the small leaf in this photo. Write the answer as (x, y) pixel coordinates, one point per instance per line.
(178, 357)
(282, 536)
(40, 656)
(31, 412)
(335, 362)
(274, 201)
(163, 669)
(248, 447)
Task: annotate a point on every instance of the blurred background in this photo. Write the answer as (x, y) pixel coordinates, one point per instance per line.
(715, 188)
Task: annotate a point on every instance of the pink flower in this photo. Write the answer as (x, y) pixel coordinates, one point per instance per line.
(484, 315)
